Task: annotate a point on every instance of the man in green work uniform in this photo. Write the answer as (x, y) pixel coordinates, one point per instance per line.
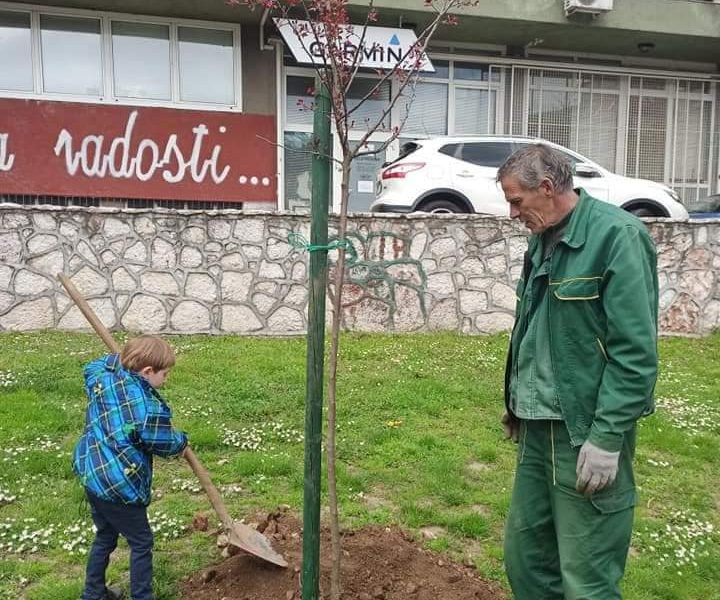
(581, 370)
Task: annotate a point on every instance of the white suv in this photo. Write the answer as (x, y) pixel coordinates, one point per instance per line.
(457, 174)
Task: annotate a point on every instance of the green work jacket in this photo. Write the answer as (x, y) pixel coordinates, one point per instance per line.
(603, 306)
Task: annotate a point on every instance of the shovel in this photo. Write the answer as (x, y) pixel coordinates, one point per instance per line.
(239, 535)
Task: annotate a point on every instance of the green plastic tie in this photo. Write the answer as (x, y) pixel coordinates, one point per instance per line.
(296, 240)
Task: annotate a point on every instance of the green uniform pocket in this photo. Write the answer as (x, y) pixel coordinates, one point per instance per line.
(577, 288)
(614, 501)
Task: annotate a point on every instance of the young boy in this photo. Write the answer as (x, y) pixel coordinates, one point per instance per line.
(126, 422)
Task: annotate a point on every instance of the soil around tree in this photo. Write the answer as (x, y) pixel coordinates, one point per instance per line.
(379, 563)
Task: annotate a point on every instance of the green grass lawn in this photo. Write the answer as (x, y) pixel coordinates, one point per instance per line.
(419, 444)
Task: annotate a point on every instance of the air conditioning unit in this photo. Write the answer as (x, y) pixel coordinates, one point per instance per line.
(587, 6)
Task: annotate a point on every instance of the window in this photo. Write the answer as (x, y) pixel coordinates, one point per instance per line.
(407, 149)
(428, 106)
(141, 59)
(451, 150)
(465, 104)
(474, 111)
(91, 56)
(298, 170)
(71, 56)
(442, 70)
(299, 100)
(475, 72)
(15, 52)
(207, 65)
(372, 109)
(486, 154)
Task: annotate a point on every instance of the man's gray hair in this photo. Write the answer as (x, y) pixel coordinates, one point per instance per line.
(534, 163)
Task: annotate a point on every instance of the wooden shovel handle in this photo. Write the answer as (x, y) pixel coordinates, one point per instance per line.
(189, 455)
(209, 487)
(92, 318)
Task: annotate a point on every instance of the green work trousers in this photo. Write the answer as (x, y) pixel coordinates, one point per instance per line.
(560, 545)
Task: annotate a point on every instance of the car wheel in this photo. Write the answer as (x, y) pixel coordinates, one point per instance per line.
(643, 211)
(641, 207)
(442, 205)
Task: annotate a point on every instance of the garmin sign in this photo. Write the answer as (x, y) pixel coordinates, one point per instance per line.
(375, 47)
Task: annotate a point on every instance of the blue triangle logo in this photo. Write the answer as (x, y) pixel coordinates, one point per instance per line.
(394, 41)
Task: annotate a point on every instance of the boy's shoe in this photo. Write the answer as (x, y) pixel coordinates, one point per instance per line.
(113, 593)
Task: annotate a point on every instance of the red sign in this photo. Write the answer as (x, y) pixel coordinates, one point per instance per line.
(95, 150)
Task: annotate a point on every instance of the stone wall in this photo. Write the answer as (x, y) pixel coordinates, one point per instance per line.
(234, 272)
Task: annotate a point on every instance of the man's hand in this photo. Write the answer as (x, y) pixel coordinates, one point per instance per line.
(596, 468)
(511, 425)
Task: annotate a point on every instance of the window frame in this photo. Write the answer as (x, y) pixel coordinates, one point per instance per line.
(30, 44)
(234, 53)
(107, 95)
(172, 69)
(285, 126)
(42, 52)
(461, 155)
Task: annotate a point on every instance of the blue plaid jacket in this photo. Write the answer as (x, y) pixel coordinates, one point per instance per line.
(126, 422)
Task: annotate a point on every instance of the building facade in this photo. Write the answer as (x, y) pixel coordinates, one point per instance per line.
(187, 104)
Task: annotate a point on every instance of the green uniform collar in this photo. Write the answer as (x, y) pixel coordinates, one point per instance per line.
(576, 230)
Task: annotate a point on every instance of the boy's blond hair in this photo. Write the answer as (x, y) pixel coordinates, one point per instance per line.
(147, 351)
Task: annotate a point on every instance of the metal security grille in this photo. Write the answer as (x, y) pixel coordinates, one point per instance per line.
(659, 128)
(647, 129)
(576, 109)
(692, 127)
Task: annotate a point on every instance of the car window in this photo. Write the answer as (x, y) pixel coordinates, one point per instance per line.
(406, 149)
(450, 150)
(573, 159)
(486, 154)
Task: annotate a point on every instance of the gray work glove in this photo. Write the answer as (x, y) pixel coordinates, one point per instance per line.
(596, 468)
(511, 425)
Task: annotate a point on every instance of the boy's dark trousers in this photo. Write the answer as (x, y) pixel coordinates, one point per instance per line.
(131, 522)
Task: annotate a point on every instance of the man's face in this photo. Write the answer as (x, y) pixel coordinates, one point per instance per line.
(532, 207)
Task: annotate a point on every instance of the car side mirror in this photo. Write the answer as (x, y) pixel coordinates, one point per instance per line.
(582, 170)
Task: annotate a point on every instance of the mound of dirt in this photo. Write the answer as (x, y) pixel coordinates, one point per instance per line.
(379, 563)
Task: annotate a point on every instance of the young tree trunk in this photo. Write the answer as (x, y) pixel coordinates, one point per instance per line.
(336, 550)
(328, 23)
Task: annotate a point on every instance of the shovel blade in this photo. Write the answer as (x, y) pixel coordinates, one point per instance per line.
(255, 543)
